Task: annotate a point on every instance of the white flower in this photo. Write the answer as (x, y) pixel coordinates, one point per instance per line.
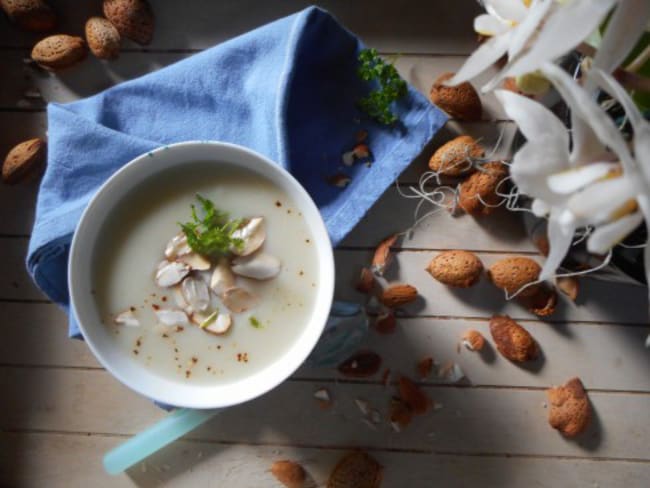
(609, 190)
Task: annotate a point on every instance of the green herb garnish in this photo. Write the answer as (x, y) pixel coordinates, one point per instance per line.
(211, 234)
(254, 322)
(210, 319)
(391, 86)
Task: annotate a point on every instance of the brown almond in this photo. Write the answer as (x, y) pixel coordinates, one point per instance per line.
(570, 409)
(570, 286)
(30, 15)
(413, 396)
(383, 256)
(386, 322)
(478, 193)
(133, 19)
(59, 52)
(424, 367)
(356, 470)
(512, 273)
(103, 38)
(473, 340)
(398, 294)
(461, 102)
(400, 413)
(361, 365)
(512, 340)
(289, 473)
(542, 303)
(366, 281)
(25, 158)
(455, 157)
(461, 269)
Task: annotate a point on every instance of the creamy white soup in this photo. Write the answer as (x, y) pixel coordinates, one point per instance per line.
(189, 323)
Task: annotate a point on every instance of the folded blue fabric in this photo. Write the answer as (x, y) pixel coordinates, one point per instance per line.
(287, 90)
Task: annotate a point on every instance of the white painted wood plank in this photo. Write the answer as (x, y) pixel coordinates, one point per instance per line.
(606, 357)
(53, 460)
(486, 420)
(434, 27)
(94, 75)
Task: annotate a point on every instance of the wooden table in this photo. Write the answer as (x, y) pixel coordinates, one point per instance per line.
(60, 411)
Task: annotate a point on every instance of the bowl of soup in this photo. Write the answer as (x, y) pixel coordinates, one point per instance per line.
(201, 274)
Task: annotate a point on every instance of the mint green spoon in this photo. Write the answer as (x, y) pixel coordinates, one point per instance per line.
(140, 446)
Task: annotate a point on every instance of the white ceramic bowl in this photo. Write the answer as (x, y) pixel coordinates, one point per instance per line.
(116, 360)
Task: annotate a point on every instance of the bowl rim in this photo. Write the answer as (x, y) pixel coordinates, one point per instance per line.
(157, 387)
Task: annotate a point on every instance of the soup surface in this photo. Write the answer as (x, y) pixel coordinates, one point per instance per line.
(132, 245)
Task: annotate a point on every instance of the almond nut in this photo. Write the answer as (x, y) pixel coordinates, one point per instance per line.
(455, 157)
(383, 256)
(400, 413)
(386, 322)
(512, 273)
(361, 365)
(542, 303)
(30, 15)
(461, 102)
(424, 367)
(398, 294)
(478, 193)
(289, 473)
(413, 396)
(133, 19)
(23, 159)
(512, 340)
(59, 52)
(461, 269)
(570, 409)
(103, 38)
(570, 286)
(366, 281)
(473, 340)
(356, 470)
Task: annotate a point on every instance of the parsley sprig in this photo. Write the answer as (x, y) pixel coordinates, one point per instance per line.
(391, 87)
(211, 234)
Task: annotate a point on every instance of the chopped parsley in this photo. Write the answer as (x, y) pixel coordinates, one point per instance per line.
(391, 86)
(254, 322)
(211, 234)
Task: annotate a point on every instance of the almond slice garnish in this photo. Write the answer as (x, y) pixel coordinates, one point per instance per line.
(259, 266)
(222, 277)
(170, 273)
(238, 299)
(195, 292)
(252, 234)
(127, 318)
(170, 316)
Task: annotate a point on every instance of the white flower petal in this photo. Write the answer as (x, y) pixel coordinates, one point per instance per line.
(488, 25)
(532, 164)
(560, 237)
(481, 59)
(623, 31)
(528, 27)
(513, 10)
(584, 106)
(597, 202)
(562, 31)
(576, 179)
(614, 88)
(642, 150)
(540, 208)
(607, 236)
(535, 121)
(586, 145)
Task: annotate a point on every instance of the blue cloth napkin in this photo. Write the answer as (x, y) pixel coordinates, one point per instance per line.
(287, 90)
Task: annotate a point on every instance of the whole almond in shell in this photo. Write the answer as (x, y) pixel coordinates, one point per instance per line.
(289, 473)
(356, 470)
(512, 273)
(454, 158)
(512, 340)
(23, 159)
(478, 193)
(103, 38)
(460, 269)
(59, 52)
(570, 409)
(30, 15)
(461, 101)
(398, 294)
(133, 19)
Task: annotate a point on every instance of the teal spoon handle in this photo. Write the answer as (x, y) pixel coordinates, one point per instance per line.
(142, 445)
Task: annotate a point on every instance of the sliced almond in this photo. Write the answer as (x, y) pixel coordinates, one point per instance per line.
(177, 246)
(195, 292)
(322, 394)
(252, 233)
(259, 266)
(180, 300)
(383, 256)
(195, 261)
(222, 277)
(127, 318)
(171, 273)
(238, 299)
(170, 316)
(220, 325)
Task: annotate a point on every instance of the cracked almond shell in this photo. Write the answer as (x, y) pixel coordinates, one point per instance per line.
(512, 340)
(512, 273)
(454, 158)
(570, 409)
(461, 102)
(458, 268)
(356, 470)
(478, 193)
